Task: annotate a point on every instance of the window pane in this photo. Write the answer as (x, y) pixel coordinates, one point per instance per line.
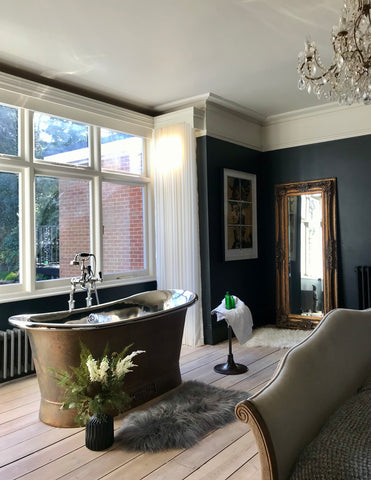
(62, 225)
(123, 239)
(9, 228)
(59, 140)
(121, 152)
(8, 130)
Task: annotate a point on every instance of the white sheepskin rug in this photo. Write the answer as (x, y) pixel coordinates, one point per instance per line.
(271, 336)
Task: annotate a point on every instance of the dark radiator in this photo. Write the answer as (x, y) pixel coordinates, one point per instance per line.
(364, 287)
(15, 354)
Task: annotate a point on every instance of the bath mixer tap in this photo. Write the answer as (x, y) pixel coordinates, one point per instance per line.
(87, 280)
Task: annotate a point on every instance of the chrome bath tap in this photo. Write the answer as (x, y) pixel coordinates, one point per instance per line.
(87, 280)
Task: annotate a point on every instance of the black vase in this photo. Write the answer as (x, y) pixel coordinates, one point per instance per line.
(99, 433)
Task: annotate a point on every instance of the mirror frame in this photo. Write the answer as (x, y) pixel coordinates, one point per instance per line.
(327, 187)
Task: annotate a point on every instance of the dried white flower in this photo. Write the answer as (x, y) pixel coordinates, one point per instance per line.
(125, 365)
(97, 374)
(92, 367)
(103, 368)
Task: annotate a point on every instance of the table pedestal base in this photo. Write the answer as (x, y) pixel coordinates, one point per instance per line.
(230, 367)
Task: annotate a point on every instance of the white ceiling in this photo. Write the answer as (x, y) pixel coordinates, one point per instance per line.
(153, 52)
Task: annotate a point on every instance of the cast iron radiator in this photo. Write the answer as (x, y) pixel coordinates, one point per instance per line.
(364, 287)
(15, 354)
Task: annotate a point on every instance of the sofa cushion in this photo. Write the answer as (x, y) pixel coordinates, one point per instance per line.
(342, 449)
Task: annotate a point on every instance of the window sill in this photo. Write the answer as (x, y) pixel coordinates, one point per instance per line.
(65, 289)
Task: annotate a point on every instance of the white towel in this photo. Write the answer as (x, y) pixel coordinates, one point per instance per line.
(238, 318)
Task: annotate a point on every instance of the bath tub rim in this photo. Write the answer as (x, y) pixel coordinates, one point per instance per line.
(24, 321)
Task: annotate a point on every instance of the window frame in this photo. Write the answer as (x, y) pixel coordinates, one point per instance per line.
(14, 287)
(28, 167)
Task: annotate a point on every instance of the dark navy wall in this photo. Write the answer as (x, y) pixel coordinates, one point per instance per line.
(243, 278)
(348, 160)
(60, 302)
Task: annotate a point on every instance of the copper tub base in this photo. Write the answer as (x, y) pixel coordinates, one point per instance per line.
(55, 341)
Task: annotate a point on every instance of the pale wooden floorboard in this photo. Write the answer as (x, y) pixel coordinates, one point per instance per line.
(249, 471)
(29, 449)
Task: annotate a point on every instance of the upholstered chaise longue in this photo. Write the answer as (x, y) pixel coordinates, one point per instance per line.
(312, 420)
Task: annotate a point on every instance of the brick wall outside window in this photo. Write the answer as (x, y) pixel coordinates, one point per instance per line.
(123, 237)
(74, 224)
(123, 228)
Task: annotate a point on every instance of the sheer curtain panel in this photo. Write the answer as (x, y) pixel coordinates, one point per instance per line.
(176, 217)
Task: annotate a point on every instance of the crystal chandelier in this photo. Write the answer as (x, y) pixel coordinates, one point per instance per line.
(348, 79)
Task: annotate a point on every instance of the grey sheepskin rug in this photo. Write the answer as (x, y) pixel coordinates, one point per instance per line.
(180, 419)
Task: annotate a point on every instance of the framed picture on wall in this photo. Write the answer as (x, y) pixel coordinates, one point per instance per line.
(240, 225)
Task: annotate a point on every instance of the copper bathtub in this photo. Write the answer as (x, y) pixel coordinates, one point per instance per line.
(152, 321)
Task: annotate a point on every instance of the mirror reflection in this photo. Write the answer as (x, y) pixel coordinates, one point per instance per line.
(305, 251)
(305, 254)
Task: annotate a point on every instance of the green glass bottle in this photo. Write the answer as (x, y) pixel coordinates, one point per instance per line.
(227, 300)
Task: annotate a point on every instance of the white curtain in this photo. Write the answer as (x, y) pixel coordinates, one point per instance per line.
(176, 219)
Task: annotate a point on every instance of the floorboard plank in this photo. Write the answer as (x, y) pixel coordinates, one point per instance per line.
(31, 450)
(18, 401)
(33, 445)
(193, 458)
(141, 466)
(26, 409)
(18, 436)
(17, 424)
(249, 471)
(231, 458)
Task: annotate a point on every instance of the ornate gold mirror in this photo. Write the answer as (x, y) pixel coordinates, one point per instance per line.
(306, 258)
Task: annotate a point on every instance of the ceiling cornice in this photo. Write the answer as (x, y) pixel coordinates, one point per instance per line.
(230, 122)
(35, 96)
(201, 101)
(316, 125)
(305, 112)
(209, 114)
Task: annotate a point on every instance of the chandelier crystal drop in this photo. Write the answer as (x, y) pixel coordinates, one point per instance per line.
(348, 79)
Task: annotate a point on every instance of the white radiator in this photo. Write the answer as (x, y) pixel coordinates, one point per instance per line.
(15, 354)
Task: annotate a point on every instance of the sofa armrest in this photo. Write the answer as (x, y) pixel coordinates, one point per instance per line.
(314, 378)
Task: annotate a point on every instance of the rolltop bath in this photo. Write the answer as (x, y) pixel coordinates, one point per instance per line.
(152, 321)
